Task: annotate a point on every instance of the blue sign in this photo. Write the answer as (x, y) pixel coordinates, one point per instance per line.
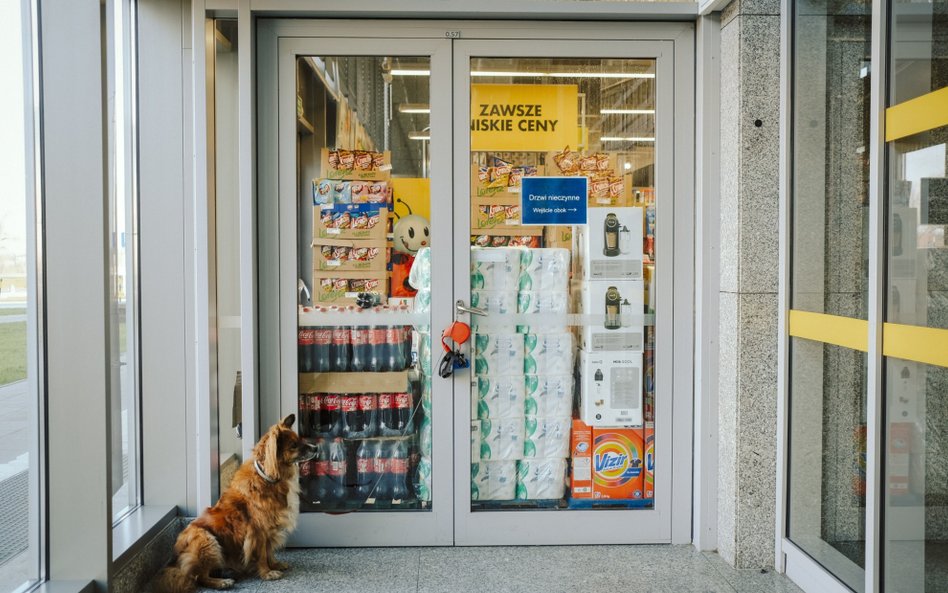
(553, 200)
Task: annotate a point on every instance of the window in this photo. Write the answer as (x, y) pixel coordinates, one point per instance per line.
(20, 412)
(123, 263)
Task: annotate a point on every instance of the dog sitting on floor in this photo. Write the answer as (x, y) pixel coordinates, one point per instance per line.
(251, 520)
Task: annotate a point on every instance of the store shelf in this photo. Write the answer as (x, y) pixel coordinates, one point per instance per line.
(303, 126)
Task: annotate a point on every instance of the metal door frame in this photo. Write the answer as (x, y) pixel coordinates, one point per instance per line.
(278, 41)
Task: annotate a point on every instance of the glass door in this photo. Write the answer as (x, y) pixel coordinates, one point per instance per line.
(565, 202)
(362, 140)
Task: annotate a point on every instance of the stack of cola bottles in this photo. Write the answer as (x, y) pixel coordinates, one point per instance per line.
(366, 442)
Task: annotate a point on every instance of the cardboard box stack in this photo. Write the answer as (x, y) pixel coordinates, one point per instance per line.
(351, 202)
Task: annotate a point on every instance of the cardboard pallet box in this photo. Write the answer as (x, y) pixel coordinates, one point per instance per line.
(342, 255)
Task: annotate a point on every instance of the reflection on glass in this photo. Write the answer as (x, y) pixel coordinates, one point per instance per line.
(827, 481)
(19, 393)
(364, 347)
(831, 157)
(562, 408)
(227, 226)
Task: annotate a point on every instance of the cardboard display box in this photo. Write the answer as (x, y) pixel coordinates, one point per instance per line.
(343, 288)
(350, 221)
(611, 393)
(490, 216)
(610, 245)
(350, 255)
(356, 170)
(391, 382)
(558, 236)
(503, 188)
(608, 463)
(619, 308)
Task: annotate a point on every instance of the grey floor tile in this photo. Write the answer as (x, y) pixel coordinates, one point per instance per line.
(752, 580)
(345, 570)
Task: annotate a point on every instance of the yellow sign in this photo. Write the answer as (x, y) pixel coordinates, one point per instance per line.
(523, 117)
(416, 195)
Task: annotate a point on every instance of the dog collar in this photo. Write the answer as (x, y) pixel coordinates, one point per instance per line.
(263, 474)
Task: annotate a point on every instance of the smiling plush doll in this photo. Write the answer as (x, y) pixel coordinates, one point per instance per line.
(410, 234)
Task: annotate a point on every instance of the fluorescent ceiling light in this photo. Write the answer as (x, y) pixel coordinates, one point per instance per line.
(626, 139)
(419, 136)
(406, 72)
(505, 74)
(627, 111)
(602, 74)
(414, 108)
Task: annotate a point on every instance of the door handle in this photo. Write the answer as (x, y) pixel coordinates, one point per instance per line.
(462, 308)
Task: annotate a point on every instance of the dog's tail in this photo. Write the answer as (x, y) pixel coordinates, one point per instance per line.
(172, 579)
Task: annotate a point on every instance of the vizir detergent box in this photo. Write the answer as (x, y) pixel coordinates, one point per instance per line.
(649, 479)
(607, 462)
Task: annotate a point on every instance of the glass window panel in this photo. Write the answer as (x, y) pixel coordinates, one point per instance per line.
(227, 235)
(20, 465)
(919, 59)
(365, 360)
(830, 248)
(827, 477)
(570, 303)
(123, 262)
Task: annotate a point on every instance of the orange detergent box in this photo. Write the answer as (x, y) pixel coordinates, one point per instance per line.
(608, 463)
(581, 452)
(649, 476)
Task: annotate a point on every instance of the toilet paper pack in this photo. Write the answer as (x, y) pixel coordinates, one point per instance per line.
(548, 395)
(548, 354)
(546, 438)
(545, 269)
(495, 268)
(499, 397)
(498, 354)
(541, 479)
(502, 438)
(493, 480)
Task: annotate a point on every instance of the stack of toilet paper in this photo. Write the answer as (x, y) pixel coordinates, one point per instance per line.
(420, 278)
(522, 387)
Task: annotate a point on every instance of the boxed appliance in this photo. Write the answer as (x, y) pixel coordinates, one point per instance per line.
(610, 245)
(617, 308)
(607, 463)
(612, 388)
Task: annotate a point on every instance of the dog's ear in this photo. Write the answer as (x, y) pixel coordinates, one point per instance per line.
(289, 420)
(271, 464)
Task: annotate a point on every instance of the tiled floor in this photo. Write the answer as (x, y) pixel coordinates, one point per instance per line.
(553, 569)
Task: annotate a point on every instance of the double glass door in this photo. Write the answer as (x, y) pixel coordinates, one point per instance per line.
(411, 187)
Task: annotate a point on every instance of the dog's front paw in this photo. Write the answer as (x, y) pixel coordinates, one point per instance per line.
(225, 583)
(277, 565)
(272, 575)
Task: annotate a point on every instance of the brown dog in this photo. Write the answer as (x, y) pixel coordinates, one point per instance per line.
(253, 518)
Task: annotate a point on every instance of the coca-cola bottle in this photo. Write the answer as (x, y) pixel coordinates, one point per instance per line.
(359, 338)
(383, 490)
(320, 358)
(365, 470)
(406, 344)
(402, 413)
(331, 423)
(337, 470)
(307, 469)
(376, 350)
(351, 416)
(387, 414)
(368, 406)
(340, 351)
(318, 490)
(305, 339)
(398, 470)
(394, 355)
(309, 414)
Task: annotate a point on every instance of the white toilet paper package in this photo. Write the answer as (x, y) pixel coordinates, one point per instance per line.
(500, 397)
(498, 354)
(502, 438)
(545, 269)
(548, 354)
(541, 479)
(552, 308)
(495, 268)
(493, 480)
(546, 438)
(420, 274)
(549, 396)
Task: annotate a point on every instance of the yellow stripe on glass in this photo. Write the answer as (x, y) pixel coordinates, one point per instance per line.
(831, 329)
(919, 344)
(917, 115)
